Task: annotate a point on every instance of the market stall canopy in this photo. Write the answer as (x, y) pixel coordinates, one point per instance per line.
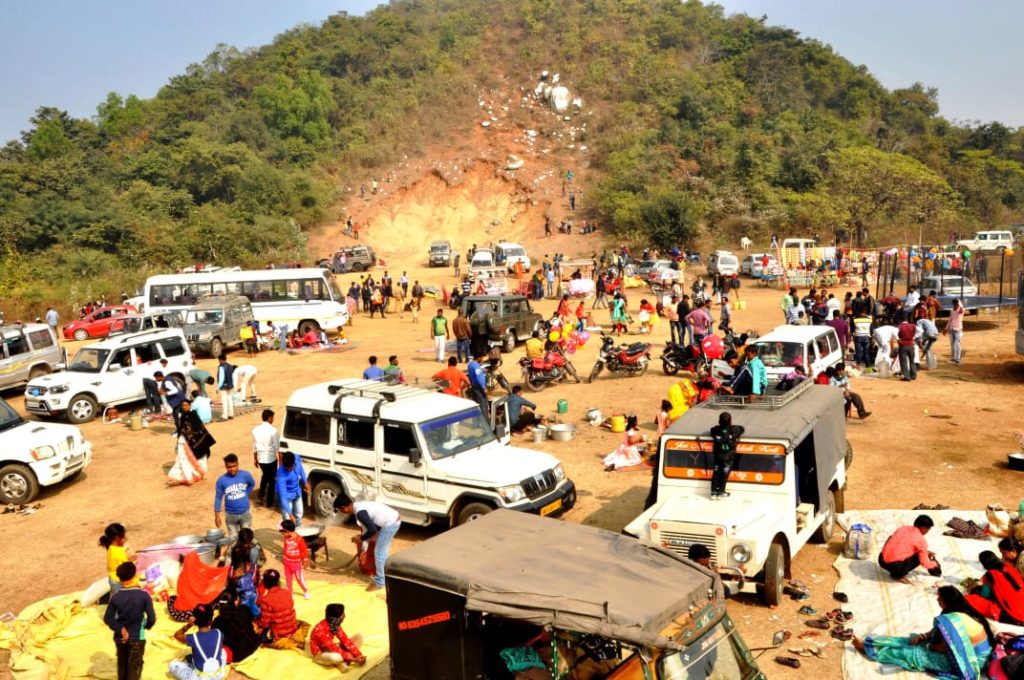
(550, 572)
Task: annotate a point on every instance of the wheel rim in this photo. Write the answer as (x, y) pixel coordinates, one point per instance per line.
(81, 335)
(13, 485)
(81, 409)
(325, 502)
(474, 517)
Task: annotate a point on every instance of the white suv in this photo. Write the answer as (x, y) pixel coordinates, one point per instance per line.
(431, 456)
(988, 240)
(35, 455)
(109, 373)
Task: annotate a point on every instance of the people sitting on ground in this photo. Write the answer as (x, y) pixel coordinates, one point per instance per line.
(208, 660)
(628, 452)
(957, 646)
(521, 411)
(311, 338)
(661, 419)
(328, 643)
(907, 550)
(279, 626)
(295, 340)
(841, 380)
(236, 622)
(243, 578)
(1000, 593)
(1010, 551)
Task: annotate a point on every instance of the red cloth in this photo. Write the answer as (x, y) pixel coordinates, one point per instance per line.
(199, 583)
(322, 640)
(905, 333)
(1008, 587)
(278, 612)
(295, 548)
(905, 542)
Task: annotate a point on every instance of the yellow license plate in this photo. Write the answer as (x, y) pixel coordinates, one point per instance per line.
(550, 508)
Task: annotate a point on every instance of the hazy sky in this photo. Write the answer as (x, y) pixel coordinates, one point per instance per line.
(71, 53)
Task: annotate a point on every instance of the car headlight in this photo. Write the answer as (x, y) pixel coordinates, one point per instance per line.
(513, 493)
(205, 336)
(57, 389)
(41, 452)
(740, 553)
(559, 472)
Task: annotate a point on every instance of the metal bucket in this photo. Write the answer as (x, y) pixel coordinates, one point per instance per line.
(540, 433)
(207, 553)
(562, 433)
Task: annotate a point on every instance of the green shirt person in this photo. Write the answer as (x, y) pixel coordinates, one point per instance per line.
(439, 332)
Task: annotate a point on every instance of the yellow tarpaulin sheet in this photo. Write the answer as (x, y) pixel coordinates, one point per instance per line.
(58, 639)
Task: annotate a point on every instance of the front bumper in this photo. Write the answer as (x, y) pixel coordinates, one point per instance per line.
(50, 471)
(560, 500)
(46, 406)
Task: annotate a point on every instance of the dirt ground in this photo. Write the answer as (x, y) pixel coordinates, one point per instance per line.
(942, 439)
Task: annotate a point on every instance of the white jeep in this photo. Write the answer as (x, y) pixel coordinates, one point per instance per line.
(109, 373)
(33, 455)
(431, 456)
(786, 485)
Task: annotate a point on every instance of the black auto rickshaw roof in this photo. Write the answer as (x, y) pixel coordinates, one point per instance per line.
(551, 572)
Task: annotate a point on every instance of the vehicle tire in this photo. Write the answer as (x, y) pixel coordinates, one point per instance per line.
(81, 334)
(532, 384)
(508, 343)
(81, 409)
(702, 368)
(18, 485)
(39, 371)
(644, 369)
(849, 455)
(324, 493)
(828, 527)
(503, 381)
(358, 267)
(307, 326)
(596, 372)
(471, 512)
(216, 348)
(669, 368)
(571, 370)
(774, 575)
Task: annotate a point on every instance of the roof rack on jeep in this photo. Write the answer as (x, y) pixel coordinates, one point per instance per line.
(375, 388)
(135, 336)
(771, 400)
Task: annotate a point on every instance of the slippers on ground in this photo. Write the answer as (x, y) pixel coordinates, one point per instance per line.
(821, 624)
(800, 651)
(839, 616)
(788, 661)
(841, 597)
(807, 610)
(818, 652)
(808, 634)
(844, 634)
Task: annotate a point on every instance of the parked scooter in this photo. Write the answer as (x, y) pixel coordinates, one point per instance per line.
(550, 368)
(630, 359)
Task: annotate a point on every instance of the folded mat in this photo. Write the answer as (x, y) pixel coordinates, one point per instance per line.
(58, 639)
(882, 606)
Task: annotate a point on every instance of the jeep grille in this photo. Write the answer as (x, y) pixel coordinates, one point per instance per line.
(538, 485)
(679, 542)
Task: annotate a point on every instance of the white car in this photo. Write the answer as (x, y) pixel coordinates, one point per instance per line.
(988, 240)
(948, 285)
(815, 348)
(723, 262)
(431, 456)
(510, 253)
(33, 455)
(109, 373)
(752, 265)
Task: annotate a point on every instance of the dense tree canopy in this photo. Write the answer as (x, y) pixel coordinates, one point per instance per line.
(700, 122)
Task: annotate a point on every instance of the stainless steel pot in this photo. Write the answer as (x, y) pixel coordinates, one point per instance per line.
(189, 539)
(562, 432)
(207, 553)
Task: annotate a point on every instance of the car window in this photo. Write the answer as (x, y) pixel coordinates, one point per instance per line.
(822, 343)
(40, 339)
(398, 439)
(173, 347)
(833, 343)
(15, 345)
(122, 357)
(308, 426)
(357, 433)
(147, 352)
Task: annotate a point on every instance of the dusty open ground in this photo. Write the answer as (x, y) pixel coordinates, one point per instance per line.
(942, 439)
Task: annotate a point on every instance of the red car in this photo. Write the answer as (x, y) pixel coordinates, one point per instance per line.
(97, 324)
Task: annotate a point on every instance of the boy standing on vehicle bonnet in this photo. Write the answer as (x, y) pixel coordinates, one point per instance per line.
(724, 436)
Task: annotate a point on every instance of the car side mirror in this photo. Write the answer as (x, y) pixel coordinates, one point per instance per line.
(113, 368)
(282, 445)
(415, 457)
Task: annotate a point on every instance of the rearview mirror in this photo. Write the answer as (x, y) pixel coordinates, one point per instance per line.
(415, 457)
(114, 368)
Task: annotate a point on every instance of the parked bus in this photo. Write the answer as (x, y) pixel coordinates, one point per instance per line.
(299, 298)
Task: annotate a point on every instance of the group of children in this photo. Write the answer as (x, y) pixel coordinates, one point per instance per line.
(246, 617)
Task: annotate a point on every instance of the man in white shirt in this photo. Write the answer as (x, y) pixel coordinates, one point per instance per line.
(52, 319)
(375, 519)
(266, 454)
(884, 337)
(910, 301)
(245, 381)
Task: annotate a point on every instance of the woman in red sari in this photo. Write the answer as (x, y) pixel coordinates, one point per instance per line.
(1000, 595)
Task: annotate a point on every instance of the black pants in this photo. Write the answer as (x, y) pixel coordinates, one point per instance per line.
(526, 419)
(129, 659)
(853, 399)
(152, 394)
(480, 397)
(268, 480)
(900, 569)
(719, 476)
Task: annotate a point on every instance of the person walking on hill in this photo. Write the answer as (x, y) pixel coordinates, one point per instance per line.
(439, 333)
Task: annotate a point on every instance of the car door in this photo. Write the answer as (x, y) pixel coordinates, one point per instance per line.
(8, 371)
(355, 456)
(122, 378)
(401, 481)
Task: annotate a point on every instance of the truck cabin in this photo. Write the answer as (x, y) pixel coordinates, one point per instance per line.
(590, 603)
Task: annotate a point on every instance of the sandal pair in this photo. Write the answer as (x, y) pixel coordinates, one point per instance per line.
(821, 624)
(790, 661)
(841, 633)
(839, 616)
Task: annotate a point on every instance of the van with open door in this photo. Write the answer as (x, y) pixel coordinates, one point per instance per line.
(786, 486)
(511, 591)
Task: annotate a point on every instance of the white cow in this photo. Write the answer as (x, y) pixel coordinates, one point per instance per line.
(745, 243)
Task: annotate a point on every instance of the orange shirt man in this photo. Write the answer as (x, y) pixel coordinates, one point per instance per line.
(456, 378)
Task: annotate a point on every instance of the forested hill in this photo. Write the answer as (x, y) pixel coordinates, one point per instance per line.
(696, 119)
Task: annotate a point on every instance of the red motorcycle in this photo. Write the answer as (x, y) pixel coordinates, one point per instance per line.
(630, 359)
(550, 368)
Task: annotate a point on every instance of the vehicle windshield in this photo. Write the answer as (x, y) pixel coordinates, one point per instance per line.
(204, 316)
(449, 435)
(89, 360)
(753, 464)
(727, 260)
(515, 252)
(438, 249)
(718, 655)
(781, 354)
(8, 416)
(332, 285)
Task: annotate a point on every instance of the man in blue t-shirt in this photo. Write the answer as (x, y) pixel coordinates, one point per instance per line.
(478, 381)
(373, 371)
(291, 480)
(232, 491)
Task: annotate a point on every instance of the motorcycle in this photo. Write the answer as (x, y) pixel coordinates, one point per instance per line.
(632, 359)
(495, 377)
(679, 357)
(550, 368)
